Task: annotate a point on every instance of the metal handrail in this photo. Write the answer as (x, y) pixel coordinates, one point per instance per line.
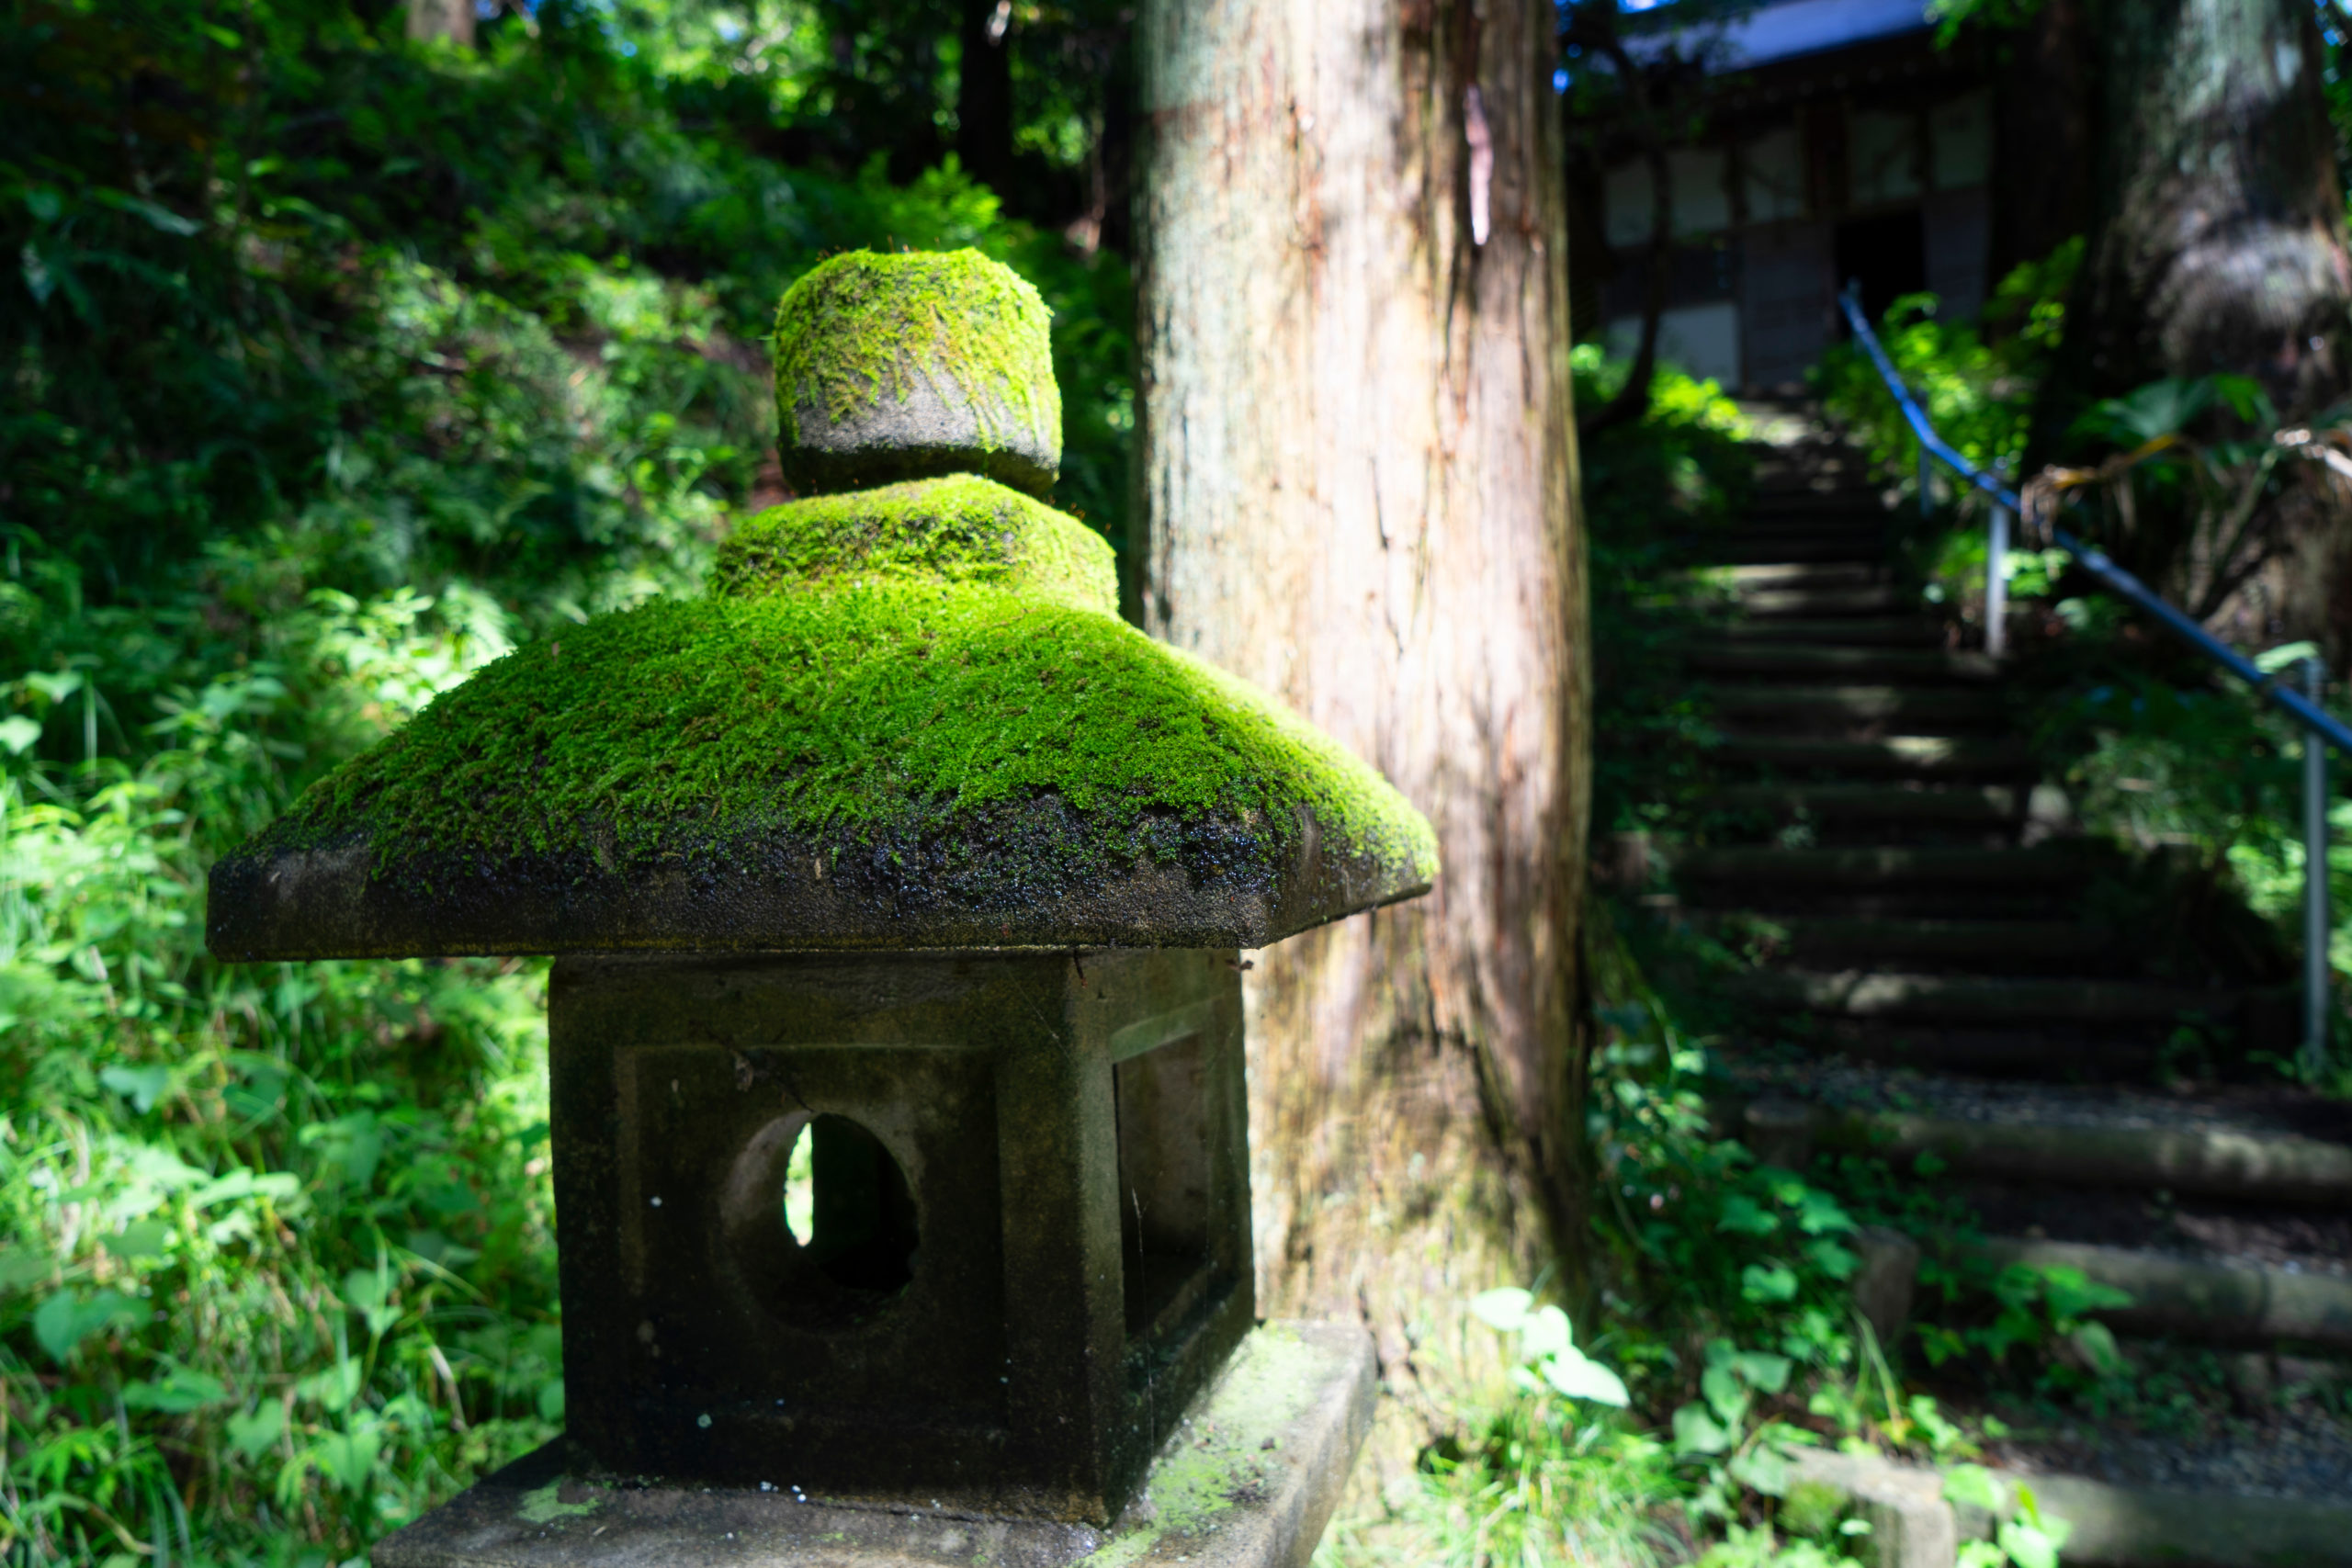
(2310, 714)
(2318, 724)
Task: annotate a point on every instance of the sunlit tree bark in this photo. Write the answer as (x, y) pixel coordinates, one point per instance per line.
(1358, 468)
(452, 19)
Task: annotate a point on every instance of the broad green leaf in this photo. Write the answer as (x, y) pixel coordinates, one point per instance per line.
(1743, 1217)
(2070, 1293)
(1722, 1387)
(2095, 1343)
(1697, 1432)
(145, 1238)
(1819, 1214)
(369, 1293)
(278, 1185)
(21, 1265)
(66, 1319)
(1972, 1485)
(1768, 1283)
(2027, 1547)
(141, 1085)
(177, 1391)
(17, 733)
(1546, 1333)
(1761, 1468)
(1832, 1259)
(332, 1388)
(349, 1459)
(1762, 1371)
(1505, 1309)
(1580, 1377)
(257, 1431)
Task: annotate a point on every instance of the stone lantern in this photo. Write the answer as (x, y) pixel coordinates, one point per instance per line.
(897, 890)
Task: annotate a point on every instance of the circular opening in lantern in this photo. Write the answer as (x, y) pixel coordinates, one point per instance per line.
(845, 1201)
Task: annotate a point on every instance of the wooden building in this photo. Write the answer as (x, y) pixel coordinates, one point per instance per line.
(1822, 140)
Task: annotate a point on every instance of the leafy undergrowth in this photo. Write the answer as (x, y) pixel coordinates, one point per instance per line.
(1723, 1339)
(340, 366)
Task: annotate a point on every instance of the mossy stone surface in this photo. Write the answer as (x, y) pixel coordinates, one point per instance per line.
(962, 529)
(905, 716)
(907, 366)
(894, 763)
(1249, 1481)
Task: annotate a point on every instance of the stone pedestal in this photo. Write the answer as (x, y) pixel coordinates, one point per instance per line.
(1247, 1479)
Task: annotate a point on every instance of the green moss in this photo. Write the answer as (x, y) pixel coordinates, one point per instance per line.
(960, 529)
(863, 326)
(546, 1506)
(900, 713)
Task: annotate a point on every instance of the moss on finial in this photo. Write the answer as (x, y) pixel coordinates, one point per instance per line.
(896, 366)
(961, 529)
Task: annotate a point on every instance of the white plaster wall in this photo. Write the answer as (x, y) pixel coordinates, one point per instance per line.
(1882, 157)
(1701, 190)
(1960, 141)
(1773, 172)
(1626, 204)
(1702, 339)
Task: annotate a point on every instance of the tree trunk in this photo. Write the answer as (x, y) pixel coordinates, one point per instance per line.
(2219, 242)
(2042, 146)
(984, 95)
(1357, 463)
(452, 19)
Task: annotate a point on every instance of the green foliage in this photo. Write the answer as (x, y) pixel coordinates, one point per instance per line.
(338, 369)
(1653, 490)
(1977, 380)
(1548, 1360)
(1543, 1479)
(279, 1268)
(2023, 1538)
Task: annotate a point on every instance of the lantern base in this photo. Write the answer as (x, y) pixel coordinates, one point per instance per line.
(1248, 1480)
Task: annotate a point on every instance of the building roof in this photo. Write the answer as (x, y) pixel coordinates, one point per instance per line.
(1771, 32)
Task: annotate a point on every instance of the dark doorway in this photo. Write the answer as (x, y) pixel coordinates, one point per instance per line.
(1888, 254)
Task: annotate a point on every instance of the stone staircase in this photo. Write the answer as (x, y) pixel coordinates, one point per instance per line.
(1883, 841)
(1933, 974)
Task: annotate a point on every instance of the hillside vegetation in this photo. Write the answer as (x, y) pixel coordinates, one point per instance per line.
(337, 364)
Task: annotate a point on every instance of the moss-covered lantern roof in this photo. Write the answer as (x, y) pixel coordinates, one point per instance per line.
(906, 717)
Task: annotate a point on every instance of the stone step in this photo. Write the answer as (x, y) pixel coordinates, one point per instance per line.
(2111, 1524)
(1799, 551)
(1802, 574)
(1869, 530)
(1884, 868)
(2235, 1303)
(1774, 503)
(2249, 1164)
(1988, 806)
(1886, 631)
(1898, 756)
(1775, 601)
(1738, 658)
(1876, 993)
(1830, 708)
(2011, 947)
